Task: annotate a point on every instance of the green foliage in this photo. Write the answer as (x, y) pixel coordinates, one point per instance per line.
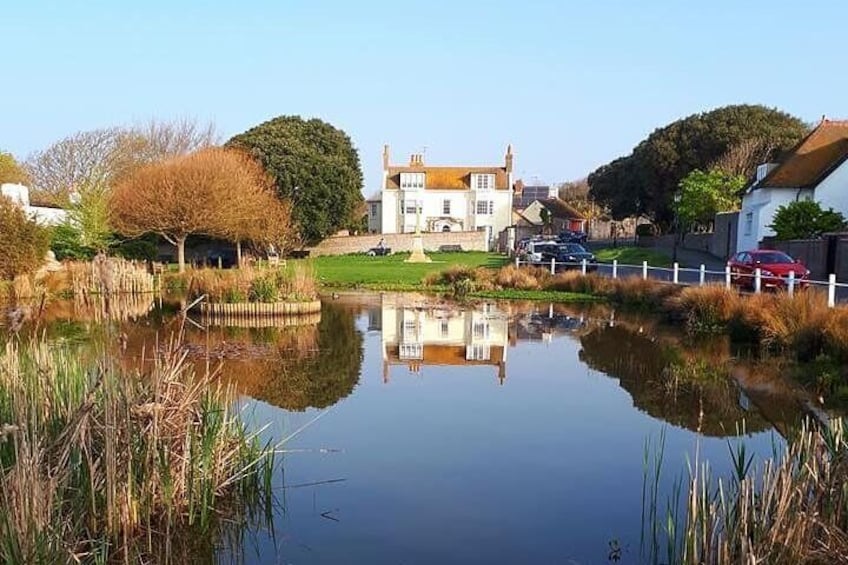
(66, 243)
(633, 256)
(645, 181)
(89, 211)
(23, 243)
(314, 165)
(704, 194)
(806, 219)
(144, 248)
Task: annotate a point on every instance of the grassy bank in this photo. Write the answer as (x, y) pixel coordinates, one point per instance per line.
(362, 271)
(633, 256)
(100, 464)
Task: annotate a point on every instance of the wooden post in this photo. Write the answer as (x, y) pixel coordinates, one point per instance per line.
(645, 270)
(758, 280)
(615, 268)
(676, 277)
(727, 276)
(703, 275)
(790, 285)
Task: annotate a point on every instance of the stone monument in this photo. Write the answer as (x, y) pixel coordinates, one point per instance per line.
(418, 255)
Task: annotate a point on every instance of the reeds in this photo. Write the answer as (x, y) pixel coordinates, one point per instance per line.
(789, 509)
(101, 464)
(294, 283)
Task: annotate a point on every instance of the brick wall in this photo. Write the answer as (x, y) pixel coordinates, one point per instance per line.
(470, 241)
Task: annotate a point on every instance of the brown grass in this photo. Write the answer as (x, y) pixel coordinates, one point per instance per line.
(288, 284)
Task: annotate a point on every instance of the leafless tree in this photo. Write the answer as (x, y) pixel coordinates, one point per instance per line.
(99, 158)
(742, 159)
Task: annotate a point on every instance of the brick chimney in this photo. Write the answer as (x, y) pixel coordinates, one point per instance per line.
(416, 160)
(508, 158)
(386, 157)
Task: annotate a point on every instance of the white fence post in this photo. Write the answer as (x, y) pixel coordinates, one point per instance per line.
(553, 266)
(703, 276)
(727, 276)
(517, 260)
(583, 266)
(831, 290)
(758, 280)
(676, 273)
(790, 285)
(615, 268)
(644, 269)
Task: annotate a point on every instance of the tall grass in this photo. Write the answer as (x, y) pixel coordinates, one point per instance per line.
(295, 283)
(102, 464)
(789, 509)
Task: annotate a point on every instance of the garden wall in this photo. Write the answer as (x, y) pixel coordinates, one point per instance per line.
(814, 254)
(469, 241)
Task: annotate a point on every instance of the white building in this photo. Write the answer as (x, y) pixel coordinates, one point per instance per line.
(443, 199)
(816, 169)
(19, 194)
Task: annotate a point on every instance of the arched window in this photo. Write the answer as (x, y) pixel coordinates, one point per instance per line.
(446, 228)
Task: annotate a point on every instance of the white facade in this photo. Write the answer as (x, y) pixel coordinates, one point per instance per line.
(759, 205)
(19, 194)
(444, 199)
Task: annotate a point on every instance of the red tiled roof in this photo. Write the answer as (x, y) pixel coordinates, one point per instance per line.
(448, 178)
(815, 157)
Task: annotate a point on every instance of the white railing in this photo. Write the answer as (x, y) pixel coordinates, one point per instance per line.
(700, 276)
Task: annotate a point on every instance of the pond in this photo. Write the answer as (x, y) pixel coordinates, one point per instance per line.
(424, 431)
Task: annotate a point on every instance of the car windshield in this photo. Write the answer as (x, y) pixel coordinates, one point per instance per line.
(571, 248)
(773, 258)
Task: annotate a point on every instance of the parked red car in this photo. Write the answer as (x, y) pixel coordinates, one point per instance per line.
(774, 266)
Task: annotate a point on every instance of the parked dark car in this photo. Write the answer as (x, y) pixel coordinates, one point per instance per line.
(568, 256)
(569, 236)
(774, 266)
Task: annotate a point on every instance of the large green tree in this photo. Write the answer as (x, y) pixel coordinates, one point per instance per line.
(704, 194)
(805, 219)
(23, 243)
(645, 181)
(315, 165)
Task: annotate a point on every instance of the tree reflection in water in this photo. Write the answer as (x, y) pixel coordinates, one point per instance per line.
(295, 367)
(693, 392)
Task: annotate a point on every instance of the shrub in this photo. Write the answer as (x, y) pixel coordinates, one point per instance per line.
(23, 243)
(706, 309)
(646, 230)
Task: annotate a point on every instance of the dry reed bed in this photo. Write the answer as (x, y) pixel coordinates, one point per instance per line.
(294, 283)
(100, 464)
(802, 324)
(787, 510)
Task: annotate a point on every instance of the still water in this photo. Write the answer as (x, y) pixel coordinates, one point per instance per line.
(423, 431)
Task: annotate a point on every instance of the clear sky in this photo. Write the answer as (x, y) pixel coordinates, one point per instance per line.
(571, 84)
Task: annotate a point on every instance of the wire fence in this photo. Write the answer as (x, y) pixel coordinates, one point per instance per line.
(757, 281)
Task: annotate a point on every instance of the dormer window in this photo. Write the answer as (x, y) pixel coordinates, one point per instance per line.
(411, 180)
(483, 182)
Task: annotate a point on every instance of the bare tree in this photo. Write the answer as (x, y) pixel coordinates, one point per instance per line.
(83, 159)
(99, 158)
(214, 192)
(742, 159)
(576, 194)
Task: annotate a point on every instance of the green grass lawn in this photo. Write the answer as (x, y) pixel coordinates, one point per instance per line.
(391, 273)
(633, 256)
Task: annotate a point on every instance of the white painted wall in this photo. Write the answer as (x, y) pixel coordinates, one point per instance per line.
(762, 203)
(19, 194)
(832, 192)
(463, 210)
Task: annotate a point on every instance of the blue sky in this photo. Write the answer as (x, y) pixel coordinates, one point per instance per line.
(571, 85)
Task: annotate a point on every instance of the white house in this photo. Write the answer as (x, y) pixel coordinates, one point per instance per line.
(816, 169)
(19, 194)
(443, 199)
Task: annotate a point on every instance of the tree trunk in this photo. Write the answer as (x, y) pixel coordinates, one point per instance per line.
(238, 254)
(181, 253)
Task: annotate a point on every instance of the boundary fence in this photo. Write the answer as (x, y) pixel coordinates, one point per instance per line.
(757, 282)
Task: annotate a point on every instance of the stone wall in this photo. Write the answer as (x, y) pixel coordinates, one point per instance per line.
(723, 243)
(470, 241)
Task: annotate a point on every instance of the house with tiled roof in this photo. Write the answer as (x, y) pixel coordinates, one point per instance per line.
(815, 169)
(443, 198)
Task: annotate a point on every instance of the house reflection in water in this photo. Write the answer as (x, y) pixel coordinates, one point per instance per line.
(442, 334)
